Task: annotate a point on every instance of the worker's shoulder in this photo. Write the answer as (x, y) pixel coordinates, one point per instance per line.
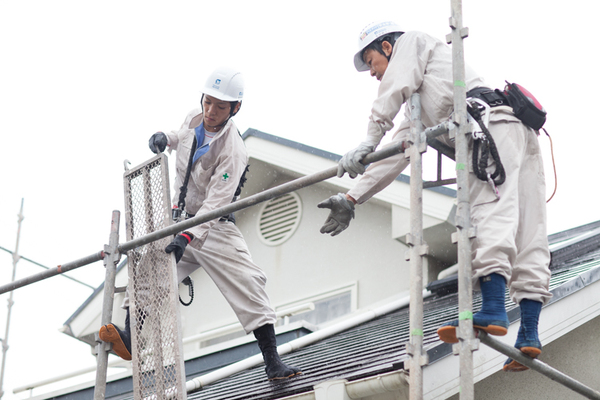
(419, 35)
(193, 113)
(231, 136)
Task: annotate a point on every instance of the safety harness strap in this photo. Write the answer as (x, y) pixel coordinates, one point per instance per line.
(482, 148)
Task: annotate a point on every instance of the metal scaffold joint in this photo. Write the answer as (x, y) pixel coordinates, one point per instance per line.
(413, 350)
(471, 234)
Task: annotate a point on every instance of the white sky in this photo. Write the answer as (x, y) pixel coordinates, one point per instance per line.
(84, 84)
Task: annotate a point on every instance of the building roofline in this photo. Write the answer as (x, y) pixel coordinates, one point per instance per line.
(328, 155)
(89, 300)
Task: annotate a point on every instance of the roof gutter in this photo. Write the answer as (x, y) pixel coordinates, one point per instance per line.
(201, 381)
(396, 381)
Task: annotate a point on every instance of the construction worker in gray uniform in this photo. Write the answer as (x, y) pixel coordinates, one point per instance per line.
(511, 244)
(211, 177)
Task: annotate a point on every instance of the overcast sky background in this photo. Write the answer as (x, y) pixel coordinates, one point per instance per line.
(84, 84)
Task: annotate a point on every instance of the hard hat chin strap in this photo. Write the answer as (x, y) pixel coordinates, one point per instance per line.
(232, 111)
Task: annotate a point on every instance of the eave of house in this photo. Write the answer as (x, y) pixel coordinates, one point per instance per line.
(301, 160)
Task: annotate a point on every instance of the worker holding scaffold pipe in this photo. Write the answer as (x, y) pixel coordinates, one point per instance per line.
(508, 206)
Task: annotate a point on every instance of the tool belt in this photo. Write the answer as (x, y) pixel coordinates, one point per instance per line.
(493, 98)
(524, 105)
(225, 218)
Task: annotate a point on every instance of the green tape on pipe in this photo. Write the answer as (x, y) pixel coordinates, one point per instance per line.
(465, 315)
(416, 332)
(460, 166)
(460, 84)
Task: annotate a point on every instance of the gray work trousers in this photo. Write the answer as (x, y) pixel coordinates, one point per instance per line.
(511, 230)
(226, 259)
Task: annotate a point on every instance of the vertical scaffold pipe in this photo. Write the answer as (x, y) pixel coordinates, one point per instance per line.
(111, 259)
(417, 249)
(15, 257)
(467, 342)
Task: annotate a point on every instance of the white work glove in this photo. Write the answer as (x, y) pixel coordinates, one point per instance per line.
(342, 211)
(351, 161)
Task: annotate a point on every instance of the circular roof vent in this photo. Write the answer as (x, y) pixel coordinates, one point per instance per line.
(279, 218)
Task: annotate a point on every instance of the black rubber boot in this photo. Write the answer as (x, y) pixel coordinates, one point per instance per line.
(275, 368)
(121, 339)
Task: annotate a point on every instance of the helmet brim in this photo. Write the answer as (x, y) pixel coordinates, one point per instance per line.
(359, 63)
(219, 95)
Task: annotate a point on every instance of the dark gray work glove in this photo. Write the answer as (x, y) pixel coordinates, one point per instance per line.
(178, 245)
(158, 142)
(351, 161)
(342, 211)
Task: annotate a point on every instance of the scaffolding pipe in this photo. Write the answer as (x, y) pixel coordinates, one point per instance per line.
(15, 257)
(110, 263)
(52, 272)
(467, 342)
(438, 130)
(417, 250)
(43, 266)
(249, 201)
(539, 366)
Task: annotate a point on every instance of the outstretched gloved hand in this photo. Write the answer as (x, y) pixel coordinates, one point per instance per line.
(158, 142)
(342, 211)
(351, 161)
(179, 244)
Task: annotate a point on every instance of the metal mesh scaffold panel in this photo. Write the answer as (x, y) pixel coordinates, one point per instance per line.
(157, 355)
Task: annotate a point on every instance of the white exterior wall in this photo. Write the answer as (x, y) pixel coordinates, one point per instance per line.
(367, 257)
(310, 263)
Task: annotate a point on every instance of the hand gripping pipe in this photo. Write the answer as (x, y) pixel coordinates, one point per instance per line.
(201, 218)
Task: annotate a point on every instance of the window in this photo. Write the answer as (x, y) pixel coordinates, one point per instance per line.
(328, 306)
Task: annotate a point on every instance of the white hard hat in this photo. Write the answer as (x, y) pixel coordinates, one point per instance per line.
(225, 84)
(368, 35)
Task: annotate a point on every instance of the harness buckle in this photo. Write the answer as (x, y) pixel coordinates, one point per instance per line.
(493, 185)
(484, 107)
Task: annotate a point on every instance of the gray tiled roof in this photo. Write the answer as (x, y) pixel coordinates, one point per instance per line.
(378, 346)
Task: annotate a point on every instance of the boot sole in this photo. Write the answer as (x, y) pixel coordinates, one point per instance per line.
(447, 334)
(109, 334)
(515, 366)
(278, 378)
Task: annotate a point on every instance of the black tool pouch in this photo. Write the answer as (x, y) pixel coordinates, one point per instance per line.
(525, 106)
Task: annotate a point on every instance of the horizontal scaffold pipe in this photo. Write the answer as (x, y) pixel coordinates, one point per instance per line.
(249, 201)
(539, 366)
(52, 272)
(256, 199)
(43, 266)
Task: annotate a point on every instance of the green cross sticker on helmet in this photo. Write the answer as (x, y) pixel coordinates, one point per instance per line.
(225, 177)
